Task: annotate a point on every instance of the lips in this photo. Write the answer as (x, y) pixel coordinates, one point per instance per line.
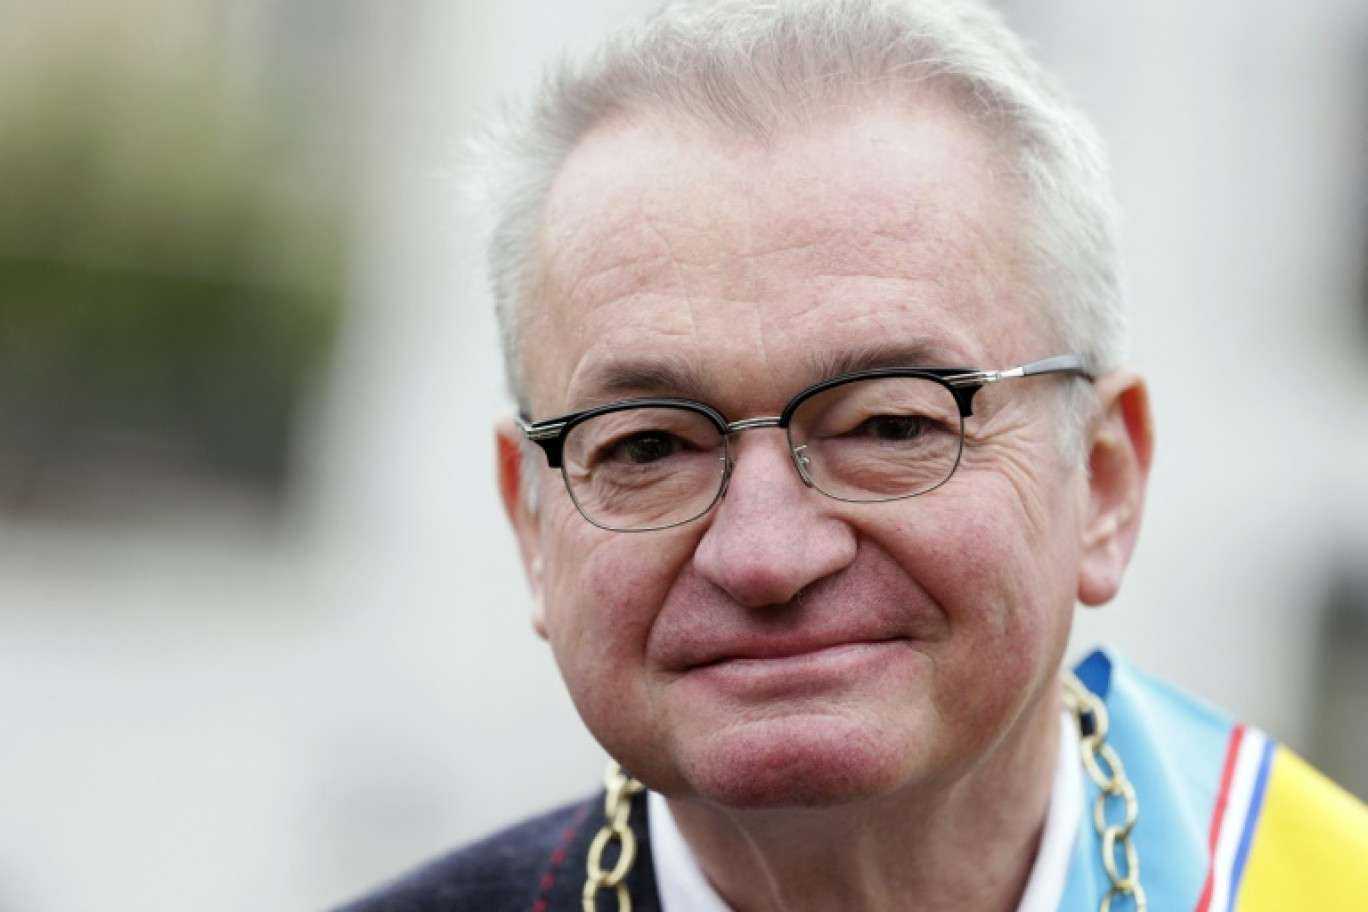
(812, 633)
(775, 675)
(777, 650)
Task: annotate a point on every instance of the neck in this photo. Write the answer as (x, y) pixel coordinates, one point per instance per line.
(966, 847)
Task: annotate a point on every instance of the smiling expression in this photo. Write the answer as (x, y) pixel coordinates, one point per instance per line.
(787, 648)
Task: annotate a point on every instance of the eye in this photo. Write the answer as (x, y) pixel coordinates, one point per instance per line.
(896, 427)
(631, 440)
(642, 448)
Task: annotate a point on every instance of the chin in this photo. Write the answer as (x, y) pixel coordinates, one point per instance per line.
(794, 763)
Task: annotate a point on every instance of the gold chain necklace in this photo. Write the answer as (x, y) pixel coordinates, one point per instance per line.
(1099, 759)
(1105, 769)
(617, 810)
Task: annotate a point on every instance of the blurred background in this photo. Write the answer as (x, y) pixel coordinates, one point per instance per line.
(264, 638)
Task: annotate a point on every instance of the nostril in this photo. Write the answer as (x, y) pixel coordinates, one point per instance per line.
(764, 554)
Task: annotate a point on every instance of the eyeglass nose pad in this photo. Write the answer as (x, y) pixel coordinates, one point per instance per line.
(727, 465)
(801, 462)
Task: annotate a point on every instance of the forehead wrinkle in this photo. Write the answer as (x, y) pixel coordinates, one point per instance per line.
(681, 280)
(638, 244)
(580, 265)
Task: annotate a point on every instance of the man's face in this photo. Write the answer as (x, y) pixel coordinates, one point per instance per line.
(789, 648)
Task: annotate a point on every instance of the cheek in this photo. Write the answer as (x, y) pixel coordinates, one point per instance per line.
(1001, 569)
(1021, 516)
(603, 593)
(957, 548)
(1004, 588)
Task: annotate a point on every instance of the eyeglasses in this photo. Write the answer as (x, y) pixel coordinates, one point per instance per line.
(875, 435)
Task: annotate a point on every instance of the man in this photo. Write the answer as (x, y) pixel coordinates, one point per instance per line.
(814, 323)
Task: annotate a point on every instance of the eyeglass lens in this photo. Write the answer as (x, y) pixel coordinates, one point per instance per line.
(865, 440)
(878, 439)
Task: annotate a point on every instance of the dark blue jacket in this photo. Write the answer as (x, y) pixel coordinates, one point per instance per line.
(535, 866)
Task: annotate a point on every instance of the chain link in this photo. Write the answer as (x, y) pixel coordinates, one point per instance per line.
(1115, 798)
(1120, 858)
(617, 812)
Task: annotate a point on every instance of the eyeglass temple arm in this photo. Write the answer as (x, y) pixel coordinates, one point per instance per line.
(1073, 364)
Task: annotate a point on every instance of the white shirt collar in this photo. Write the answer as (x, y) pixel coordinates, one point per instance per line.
(683, 888)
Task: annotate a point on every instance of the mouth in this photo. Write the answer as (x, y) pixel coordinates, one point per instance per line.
(779, 652)
(799, 667)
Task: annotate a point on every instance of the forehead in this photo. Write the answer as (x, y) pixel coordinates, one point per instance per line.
(883, 233)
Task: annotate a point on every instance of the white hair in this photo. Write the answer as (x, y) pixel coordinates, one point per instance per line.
(750, 68)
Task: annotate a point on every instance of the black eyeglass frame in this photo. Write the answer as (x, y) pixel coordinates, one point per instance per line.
(962, 382)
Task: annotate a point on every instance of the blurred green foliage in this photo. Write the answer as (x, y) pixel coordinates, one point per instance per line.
(167, 273)
(209, 368)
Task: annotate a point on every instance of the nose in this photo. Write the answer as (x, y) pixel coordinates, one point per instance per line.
(771, 535)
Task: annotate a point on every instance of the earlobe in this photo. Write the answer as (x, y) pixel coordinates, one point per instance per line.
(1120, 449)
(534, 576)
(521, 513)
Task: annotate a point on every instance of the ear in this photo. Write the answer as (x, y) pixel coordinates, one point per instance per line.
(1120, 448)
(512, 450)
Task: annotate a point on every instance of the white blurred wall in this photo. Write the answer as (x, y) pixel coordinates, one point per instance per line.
(210, 712)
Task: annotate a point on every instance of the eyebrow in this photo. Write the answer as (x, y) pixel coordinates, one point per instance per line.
(676, 378)
(655, 376)
(833, 364)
